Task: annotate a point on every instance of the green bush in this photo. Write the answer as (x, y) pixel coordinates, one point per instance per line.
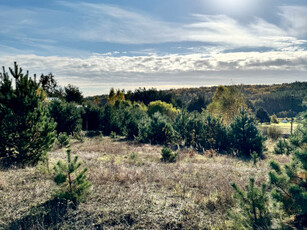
(168, 155)
(26, 129)
(62, 140)
(244, 135)
(283, 147)
(161, 130)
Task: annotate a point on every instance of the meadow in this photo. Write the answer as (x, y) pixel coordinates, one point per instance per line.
(132, 188)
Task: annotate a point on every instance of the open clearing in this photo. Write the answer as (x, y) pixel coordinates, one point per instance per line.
(132, 189)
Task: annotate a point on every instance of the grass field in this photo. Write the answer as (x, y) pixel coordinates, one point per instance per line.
(132, 189)
(284, 127)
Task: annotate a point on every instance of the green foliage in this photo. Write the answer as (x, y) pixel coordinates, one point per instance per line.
(255, 157)
(181, 125)
(148, 95)
(226, 102)
(206, 132)
(244, 135)
(161, 130)
(198, 104)
(26, 130)
(299, 138)
(113, 134)
(274, 119)
(163, 108)
(92, 118)
(144, 129)
(290, 181)
(67, 116)
(62, 139)
(71, 179)
(168, 155)
(134, 116)
(73, 94)
(50, 85)
(262, 115)
(283, 147)
(253, 212)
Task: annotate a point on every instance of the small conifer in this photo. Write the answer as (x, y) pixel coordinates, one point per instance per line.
(253, 207)
(71, 179)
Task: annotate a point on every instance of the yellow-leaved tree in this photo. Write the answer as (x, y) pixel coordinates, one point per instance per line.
(226, 102)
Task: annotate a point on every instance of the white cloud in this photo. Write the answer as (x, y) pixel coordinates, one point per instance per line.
(87, 22)
(104, 72)
(294, 19)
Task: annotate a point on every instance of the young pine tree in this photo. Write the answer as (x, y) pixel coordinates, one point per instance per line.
(253, 212)
(71, 179)
(26, 130)
(244, 135)
(290, 187)
(290, 182)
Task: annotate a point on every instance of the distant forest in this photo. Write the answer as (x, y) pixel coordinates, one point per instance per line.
(284, 100)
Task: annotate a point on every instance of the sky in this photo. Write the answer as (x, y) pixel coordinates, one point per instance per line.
(126, 44)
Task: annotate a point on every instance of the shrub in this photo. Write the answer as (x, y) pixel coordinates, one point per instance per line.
(62, 139)
(26, 130)
(283, 147)
(274, 119)
(168, 155)
(161, 130)
(244, 135)
(274, 132)
(72, 182)
(113, 134)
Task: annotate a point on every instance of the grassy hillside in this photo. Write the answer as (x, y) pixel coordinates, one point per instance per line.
(132, 189)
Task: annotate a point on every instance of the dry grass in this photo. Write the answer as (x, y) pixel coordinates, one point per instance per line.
(132, 189)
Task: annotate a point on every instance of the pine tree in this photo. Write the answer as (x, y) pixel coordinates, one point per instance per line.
(26, 130)
(244, 135)
(71, 179)
(253, 210)
(290, 182)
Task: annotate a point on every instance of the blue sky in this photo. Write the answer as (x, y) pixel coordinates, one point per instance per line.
(97, 45)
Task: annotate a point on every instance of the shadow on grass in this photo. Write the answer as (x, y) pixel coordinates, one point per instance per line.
(48, 215)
